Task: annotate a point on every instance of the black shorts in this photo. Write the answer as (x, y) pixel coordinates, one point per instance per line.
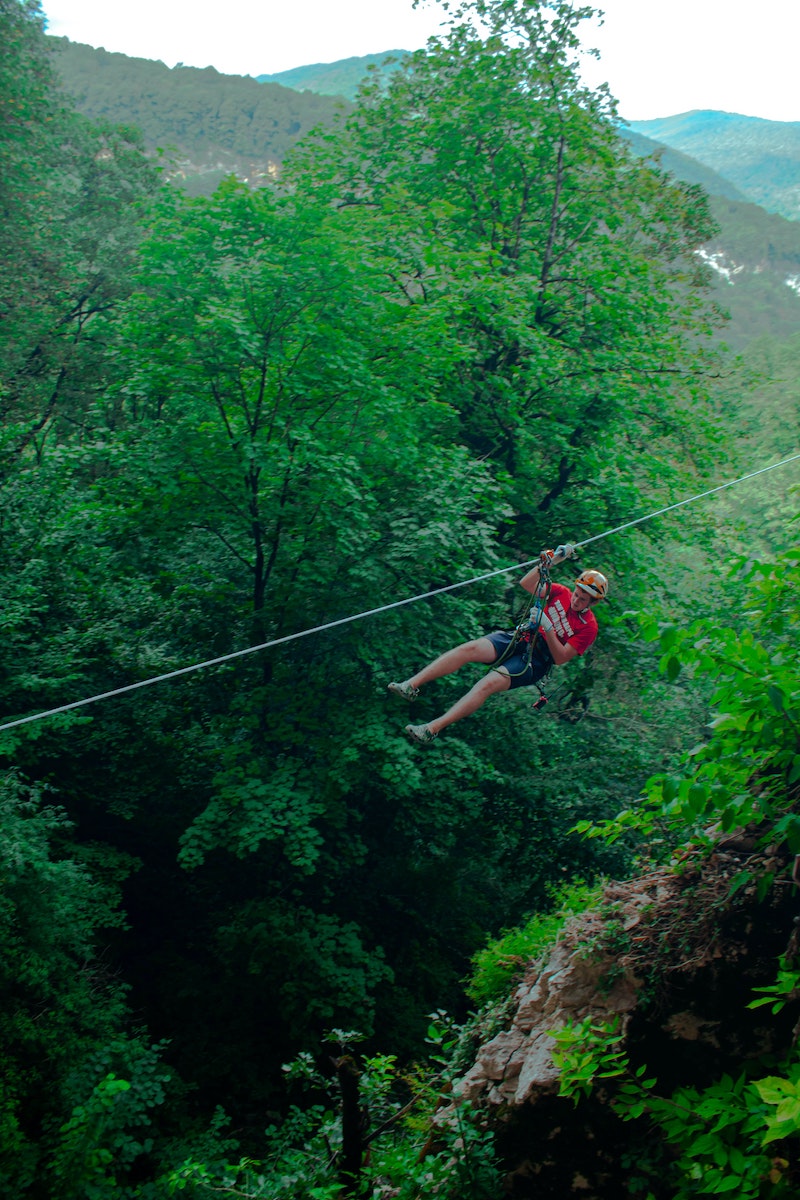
(522, 673)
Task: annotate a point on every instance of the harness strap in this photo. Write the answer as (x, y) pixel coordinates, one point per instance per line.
(524, 625)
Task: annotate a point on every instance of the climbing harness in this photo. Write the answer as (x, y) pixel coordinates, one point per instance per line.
(527, 632)
(450, 587)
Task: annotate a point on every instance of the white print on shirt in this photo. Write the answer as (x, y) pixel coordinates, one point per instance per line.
(558, 615)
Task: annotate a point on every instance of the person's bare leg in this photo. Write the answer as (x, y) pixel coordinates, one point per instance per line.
(495, 681)
(480, 650)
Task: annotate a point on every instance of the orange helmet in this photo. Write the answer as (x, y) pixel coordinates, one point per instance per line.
(594, 583)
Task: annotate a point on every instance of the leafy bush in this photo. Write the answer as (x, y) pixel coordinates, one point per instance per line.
(696, 1141)
(400, 1153)
(748, 771)
(718, 1139)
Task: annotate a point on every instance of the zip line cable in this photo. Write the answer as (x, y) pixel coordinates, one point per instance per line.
(451, 587)
(699, 496)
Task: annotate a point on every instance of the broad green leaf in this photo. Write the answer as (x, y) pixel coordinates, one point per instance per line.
(669, 637)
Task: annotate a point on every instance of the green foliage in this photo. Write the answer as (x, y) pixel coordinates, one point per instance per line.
(233, 419)
(748, 771)
(70, 196)
(785, 988)
(58, 1009)
(320, 967)
(697, 1142)
(304, 1154)
(717, 1135)
(112, 1129)
(25, 102)
(530, 225)
(586, 1051)
(782, 1095)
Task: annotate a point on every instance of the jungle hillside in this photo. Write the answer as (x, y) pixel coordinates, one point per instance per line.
(272, 442)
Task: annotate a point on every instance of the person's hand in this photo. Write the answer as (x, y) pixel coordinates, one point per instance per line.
(551, 558)
(539, 619)
(545, 624)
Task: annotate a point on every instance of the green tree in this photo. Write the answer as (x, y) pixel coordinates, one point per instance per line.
(58, 1003)
(493, 184)
(266, 465)
(69, 195)
(747, 773)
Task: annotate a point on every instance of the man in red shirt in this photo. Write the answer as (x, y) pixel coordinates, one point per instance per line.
(564, 629)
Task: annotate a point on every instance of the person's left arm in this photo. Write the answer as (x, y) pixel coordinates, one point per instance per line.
(560, 652)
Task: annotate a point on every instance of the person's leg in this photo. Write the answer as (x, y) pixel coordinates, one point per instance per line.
(480, 650)
(494, 681)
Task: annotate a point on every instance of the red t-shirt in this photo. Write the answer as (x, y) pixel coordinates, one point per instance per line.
(571, 628)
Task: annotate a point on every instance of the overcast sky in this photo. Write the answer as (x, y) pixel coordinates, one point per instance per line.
(659, 57)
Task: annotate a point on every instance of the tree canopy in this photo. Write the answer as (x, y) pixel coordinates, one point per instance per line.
(462, 325)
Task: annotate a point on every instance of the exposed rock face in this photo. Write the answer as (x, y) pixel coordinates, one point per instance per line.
(578, 980)
(673, 957)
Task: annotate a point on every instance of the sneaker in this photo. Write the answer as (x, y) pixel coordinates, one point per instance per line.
(405, 690)
(420, 733)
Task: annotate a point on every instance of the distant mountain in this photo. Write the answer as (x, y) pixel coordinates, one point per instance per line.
(760, 158)
(210, 125)
(341, 78)
(682, 166)
(214, 125)
(754, 259)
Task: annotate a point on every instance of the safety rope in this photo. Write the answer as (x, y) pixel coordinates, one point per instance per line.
(372, 612)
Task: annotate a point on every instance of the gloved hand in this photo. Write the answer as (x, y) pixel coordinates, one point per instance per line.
(545, 624)
(537, 619)
(551, 558)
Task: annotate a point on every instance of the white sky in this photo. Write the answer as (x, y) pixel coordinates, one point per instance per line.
(660, 57)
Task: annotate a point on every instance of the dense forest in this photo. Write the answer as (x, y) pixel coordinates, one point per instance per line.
(245, 925)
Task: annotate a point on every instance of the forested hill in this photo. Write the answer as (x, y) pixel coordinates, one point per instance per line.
(682, 166)
(208, 124)
(761, 158)
(212, 124)
(754, 254)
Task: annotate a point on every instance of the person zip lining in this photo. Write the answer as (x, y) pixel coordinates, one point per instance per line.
(401, 689)
(560, 626)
